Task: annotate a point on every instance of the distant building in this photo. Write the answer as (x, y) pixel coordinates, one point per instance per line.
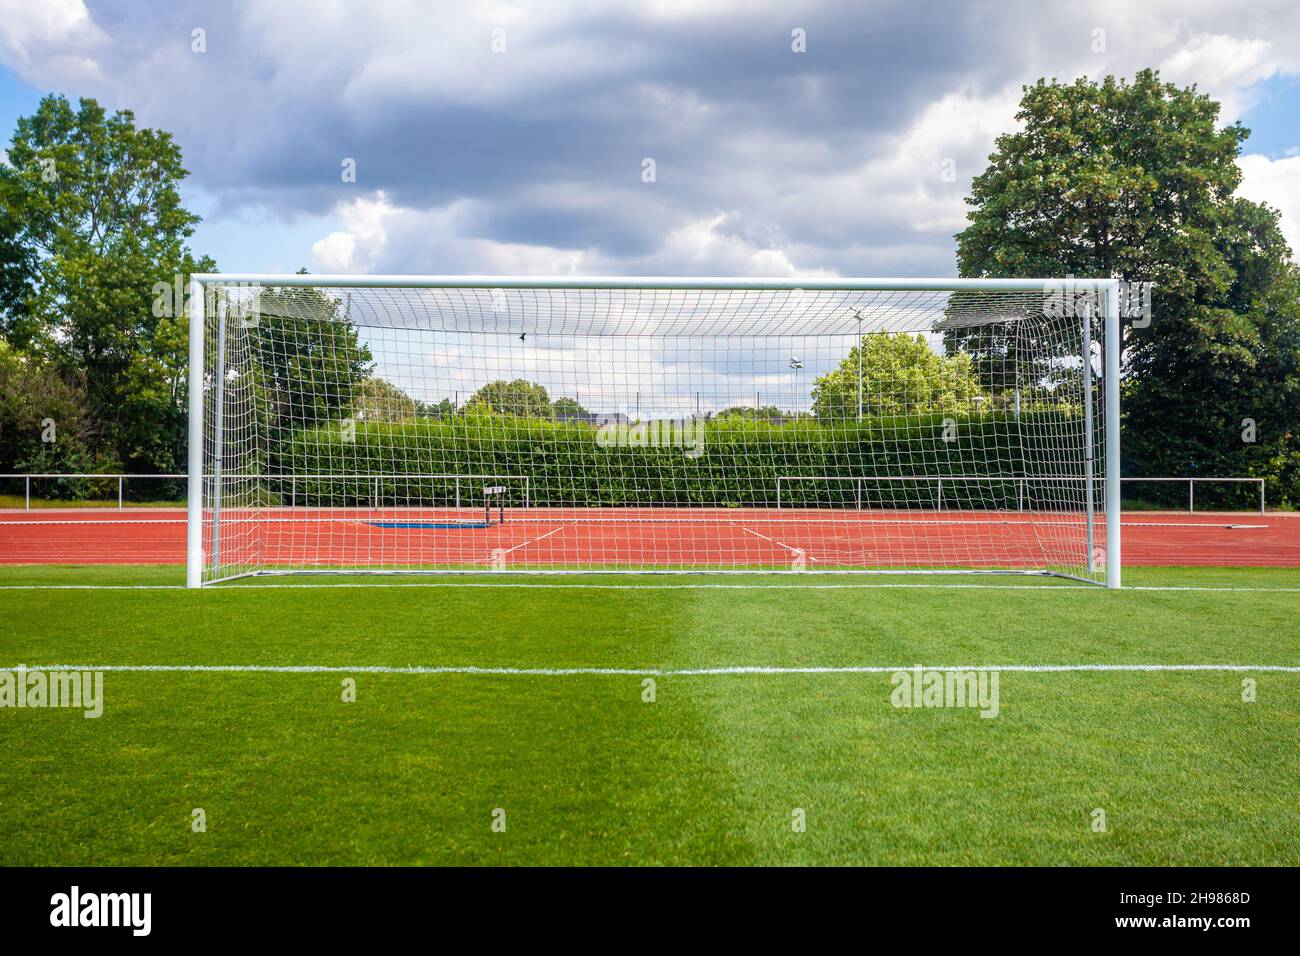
(593, 418)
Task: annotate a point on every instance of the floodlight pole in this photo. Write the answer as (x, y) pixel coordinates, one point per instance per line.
(194, 482)
(1112, 346)
(859, 366)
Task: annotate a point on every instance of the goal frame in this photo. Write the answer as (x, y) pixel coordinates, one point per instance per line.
(1107, 291)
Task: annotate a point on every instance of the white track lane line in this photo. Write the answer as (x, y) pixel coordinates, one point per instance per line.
(538, 538)
(798, 551)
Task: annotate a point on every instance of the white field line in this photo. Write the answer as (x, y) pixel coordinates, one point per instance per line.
(737, 670)
(538, 538)
(802, 552)
(1191, 587)
(639, 587)
(773, 540)
(61, 521)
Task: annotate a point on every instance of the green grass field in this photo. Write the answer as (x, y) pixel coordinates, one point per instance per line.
(709, 773)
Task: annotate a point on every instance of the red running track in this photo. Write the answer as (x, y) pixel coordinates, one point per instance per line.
(624, 537)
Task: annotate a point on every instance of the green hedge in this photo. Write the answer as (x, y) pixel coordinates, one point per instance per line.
(739, 466)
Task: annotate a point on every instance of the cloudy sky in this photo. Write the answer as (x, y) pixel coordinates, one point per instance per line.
(513, 138)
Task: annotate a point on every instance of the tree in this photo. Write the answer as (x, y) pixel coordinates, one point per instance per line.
(17, 266)
(520, 398)
(378, 400)
(309, 362)
(762, 413)
(442, 409)
(569, 408)
(90, 220)
(1136, 181)
(44, 426)
(901, 375)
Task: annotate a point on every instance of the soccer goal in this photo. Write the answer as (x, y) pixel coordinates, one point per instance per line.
(452, 424)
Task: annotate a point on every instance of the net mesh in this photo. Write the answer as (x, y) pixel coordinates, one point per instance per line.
(638, 429)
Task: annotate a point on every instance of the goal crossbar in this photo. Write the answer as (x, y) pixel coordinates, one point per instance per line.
(706, 283)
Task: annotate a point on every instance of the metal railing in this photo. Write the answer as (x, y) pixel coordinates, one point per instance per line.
(374, 480)
(1022, 483)
(377, 481)
(80, 476)
(1191, 487)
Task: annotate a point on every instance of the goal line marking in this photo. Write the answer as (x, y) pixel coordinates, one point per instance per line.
(652, 671)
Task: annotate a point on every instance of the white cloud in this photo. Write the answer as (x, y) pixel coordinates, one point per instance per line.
(50, 35)
(360, 242)
(1276, 182)
(1224, 66)
(376, 236)
(700, 247)
(920, 180)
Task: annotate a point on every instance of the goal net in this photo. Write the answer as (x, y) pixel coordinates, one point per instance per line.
(388, 424)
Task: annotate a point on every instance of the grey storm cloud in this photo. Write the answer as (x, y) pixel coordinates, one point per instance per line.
(766, 159)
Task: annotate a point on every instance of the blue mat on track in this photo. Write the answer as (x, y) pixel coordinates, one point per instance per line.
(428, 524)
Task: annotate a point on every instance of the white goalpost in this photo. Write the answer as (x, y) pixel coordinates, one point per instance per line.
(480, 424)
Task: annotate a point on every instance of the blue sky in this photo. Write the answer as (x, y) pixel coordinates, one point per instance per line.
(511, 138)
(1274, 119)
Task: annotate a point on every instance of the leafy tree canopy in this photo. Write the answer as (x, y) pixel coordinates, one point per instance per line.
(761, 413)
(520, 398)
(568, 408)
(90, 221)
(44, 425)
(310, 362)
(901, 374)
(378, 400)
(1136, 180)
(440, 409)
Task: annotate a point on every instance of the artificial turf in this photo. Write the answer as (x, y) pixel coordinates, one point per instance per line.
(710, 772)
